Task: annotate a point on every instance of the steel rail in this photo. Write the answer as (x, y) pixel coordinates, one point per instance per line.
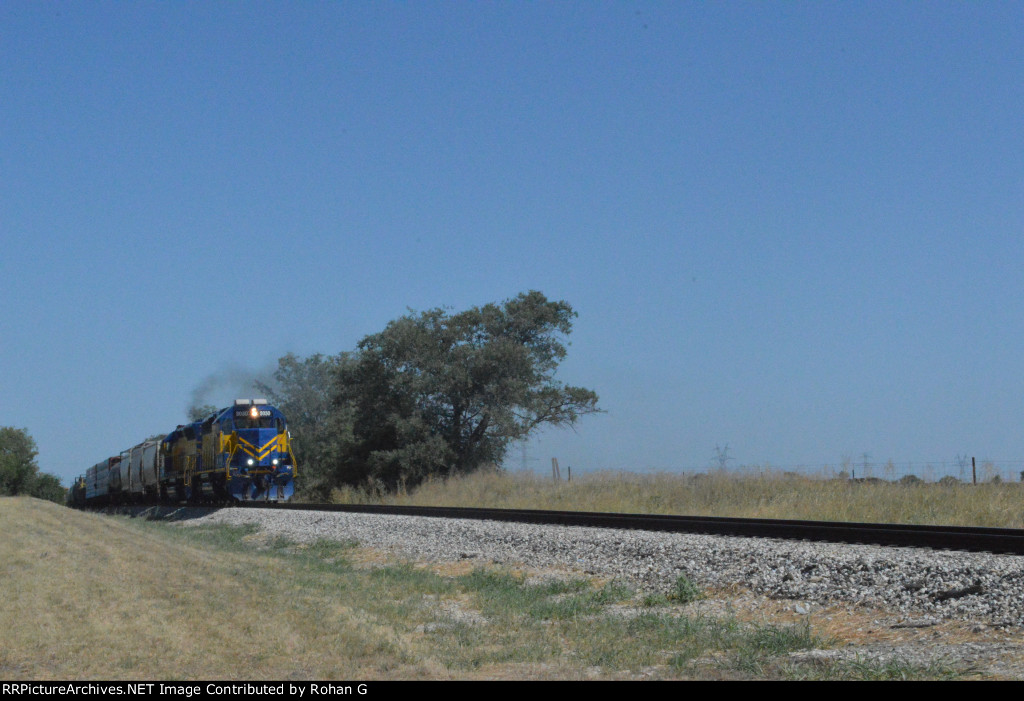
(970, 538)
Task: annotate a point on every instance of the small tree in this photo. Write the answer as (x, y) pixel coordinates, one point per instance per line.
(18, 466)
(19, 473)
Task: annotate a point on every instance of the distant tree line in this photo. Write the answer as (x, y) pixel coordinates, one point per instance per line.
(19, 472)
(434, 394)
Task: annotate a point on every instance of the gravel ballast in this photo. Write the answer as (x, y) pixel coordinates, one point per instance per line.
(916, 582)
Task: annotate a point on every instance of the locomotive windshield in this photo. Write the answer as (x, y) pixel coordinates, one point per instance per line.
(256, 419)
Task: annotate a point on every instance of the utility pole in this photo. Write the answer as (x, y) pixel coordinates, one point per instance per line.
(722, 458)
(524, 458)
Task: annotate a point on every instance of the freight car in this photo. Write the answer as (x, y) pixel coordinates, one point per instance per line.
(242, 452)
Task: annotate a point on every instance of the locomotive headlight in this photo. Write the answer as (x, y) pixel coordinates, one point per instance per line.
(274, 461)
(254, 413)
(251, 462)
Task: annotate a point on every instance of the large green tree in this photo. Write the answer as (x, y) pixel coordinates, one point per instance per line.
(19, 473)
(437, 393)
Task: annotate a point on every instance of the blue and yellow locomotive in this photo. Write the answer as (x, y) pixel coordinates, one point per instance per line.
(242, 452)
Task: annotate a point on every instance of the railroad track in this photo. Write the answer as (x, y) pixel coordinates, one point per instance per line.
(970, 538)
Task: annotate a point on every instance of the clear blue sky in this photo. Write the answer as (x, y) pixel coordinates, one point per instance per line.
(792, 228)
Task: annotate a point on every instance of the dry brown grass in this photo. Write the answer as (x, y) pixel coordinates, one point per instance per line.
(99, 597)
(772, 495)
(91, 597)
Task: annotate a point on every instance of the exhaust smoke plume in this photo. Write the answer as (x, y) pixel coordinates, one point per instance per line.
(221, 388)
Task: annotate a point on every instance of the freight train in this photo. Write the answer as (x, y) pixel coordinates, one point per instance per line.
(242, 453)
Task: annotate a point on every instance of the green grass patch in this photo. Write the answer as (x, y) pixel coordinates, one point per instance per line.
(220, 535)
(502, 594)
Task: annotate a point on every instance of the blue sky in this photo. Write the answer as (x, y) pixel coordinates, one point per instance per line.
(792, 228)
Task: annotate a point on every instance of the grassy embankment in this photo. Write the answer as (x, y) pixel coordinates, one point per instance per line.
(100, 597)
(772, 495)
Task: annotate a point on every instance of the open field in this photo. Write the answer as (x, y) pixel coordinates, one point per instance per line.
(93, 596)
(772, 495)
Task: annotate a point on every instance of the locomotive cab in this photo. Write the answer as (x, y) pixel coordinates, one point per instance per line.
(259, 455)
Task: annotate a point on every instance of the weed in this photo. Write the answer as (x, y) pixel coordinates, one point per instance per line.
(654, 600)
(757, 650)
(326, 549)
(777, 640)
(870, 669)
(685, 591)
